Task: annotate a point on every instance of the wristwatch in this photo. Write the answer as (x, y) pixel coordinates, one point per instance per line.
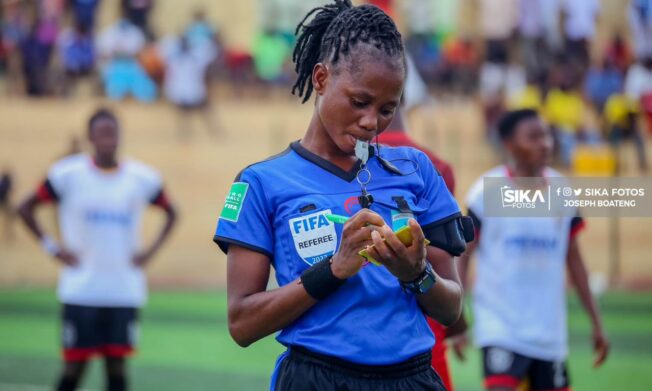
(423, 283)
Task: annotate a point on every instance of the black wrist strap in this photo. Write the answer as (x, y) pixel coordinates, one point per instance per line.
(319, 280)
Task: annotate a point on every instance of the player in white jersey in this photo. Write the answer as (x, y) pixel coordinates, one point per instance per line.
(100, 201)
(519, 300)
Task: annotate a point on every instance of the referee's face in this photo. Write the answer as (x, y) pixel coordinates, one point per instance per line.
(358, 97)
(104, 137)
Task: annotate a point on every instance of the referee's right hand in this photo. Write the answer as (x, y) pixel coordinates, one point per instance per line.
(356, 235)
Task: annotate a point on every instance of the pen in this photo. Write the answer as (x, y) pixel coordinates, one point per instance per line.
(337, 219)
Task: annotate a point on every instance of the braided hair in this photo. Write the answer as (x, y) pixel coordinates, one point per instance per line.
(334, 30)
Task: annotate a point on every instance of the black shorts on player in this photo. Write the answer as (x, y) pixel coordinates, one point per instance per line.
(303, 370)
(105, 331)
(504, 368)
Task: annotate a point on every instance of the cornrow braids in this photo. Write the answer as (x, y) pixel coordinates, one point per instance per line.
(334, 30)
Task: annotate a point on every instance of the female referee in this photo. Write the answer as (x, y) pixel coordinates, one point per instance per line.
(347, 324)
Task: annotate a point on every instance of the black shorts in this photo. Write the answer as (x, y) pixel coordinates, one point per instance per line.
(302, 370)
(504, 368)
(106, 331)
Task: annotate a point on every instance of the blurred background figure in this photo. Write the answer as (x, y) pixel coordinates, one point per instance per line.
(76, 50)
(602, 81)
(534, 49)
(640, 22)
(100, 198)
(638, 86)
(84, 13)
(566, 112)
(35, 52)
(137, 12)
(499, 75)
(186, 82)
(620, 117)
(6, 208)
(580, 18)
(122, 75)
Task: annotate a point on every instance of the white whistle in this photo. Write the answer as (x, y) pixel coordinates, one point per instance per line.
(362, 150)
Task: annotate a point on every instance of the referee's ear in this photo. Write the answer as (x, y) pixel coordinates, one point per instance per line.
(320, 75)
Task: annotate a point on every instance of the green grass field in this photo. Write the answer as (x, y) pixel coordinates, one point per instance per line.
(185, 346)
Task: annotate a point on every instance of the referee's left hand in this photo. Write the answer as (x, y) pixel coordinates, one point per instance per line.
(405, 262)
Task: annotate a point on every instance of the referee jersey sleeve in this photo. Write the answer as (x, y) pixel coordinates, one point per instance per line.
(246, 219)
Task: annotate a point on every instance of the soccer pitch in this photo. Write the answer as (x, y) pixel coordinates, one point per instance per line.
(185, 345)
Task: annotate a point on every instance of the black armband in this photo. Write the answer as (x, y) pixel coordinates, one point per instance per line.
(319, 280)
(451, 234)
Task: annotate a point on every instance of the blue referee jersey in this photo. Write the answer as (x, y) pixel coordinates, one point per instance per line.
(277, 207)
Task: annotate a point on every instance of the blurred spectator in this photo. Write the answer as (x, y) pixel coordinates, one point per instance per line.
(118, 46)
(601, 82)
(14, 25)
(138, 11)
(497, 83)
(421, 41)
(638, 87)
(205, 37)
(551, 14)
(49, 16)
(274, 41)
(618, 53)
(579, 29)
(14, 28)
(459, 64)
(620, 116)
(638, 81)
(151, 59)
(565, 111)
(3, 56)
(84, 12)
(122, 38)
(535, 55)
(35, 53)
(529, 97)
(498, 22)
(124, 76)
(186, 84)
(6, 188)
(200, 31)
(76, 54)
(270, 53)
(640, 21)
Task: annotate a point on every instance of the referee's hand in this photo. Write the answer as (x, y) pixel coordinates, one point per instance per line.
(405, 262)
(356, 235)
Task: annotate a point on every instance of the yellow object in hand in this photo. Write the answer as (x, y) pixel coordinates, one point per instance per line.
(404, 234)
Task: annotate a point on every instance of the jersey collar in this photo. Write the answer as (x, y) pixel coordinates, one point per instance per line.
(325, 164)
